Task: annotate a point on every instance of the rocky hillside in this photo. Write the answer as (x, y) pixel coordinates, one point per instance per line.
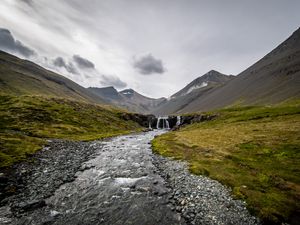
(274, 78)
(193, 91)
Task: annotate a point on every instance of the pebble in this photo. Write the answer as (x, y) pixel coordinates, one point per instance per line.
(200, 199)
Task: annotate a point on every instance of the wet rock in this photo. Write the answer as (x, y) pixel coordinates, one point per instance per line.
(31, 205)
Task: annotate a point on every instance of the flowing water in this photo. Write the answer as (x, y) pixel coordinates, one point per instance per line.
(121, 186)
(162, 123)
(178, 122)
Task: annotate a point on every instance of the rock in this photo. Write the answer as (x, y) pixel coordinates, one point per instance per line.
(3, 181)
(54, 213)
(199, 199)
(31, 205)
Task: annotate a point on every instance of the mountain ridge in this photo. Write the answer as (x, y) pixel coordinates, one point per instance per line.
(23, 77)
(272, 79)
(193, 90)
(128, 99)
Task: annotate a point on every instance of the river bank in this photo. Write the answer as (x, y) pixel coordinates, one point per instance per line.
(115, 181)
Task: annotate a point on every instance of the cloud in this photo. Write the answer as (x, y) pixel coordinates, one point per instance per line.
(83, 63)
(60, 62)
(147, 65)
(8, 43)
(28, 2)
(112, 81)
(188, 39)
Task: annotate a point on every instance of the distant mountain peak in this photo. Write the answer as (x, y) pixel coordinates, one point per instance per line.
(127, 92)
(108, 93)
(128, 89)
(213, 72)
(212, 77)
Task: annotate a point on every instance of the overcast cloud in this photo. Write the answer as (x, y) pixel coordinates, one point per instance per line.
(112, 81)
(147, 65)
(60, 62)
(185, 39)
(83, 63)
(8, 43)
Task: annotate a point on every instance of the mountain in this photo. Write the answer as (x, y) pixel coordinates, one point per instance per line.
(128, 99)
(273, 79)
(191, 92)
(212, 78)
(22, 77)
(142, 101)
(109, 94)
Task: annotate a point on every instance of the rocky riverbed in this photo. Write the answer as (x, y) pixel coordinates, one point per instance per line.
(199, 199)
(116, 181)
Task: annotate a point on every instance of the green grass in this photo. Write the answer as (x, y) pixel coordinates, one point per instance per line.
(27, 121)
(254, 150)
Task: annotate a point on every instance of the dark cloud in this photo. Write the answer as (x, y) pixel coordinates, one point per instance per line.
(83, 63)
(28, 2)
(112, 81)
(8, 43)
(60, 62)
(148, 65)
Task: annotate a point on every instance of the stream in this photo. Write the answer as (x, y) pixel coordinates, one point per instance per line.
(125, 183)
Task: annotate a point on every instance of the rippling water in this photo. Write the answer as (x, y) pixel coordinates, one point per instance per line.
(121, 186)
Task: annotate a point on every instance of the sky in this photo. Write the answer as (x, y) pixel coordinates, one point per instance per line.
(155, 47)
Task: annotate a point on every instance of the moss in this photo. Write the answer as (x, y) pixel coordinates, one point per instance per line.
(255, 150)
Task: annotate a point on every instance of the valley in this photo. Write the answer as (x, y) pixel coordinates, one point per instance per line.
(224, 149)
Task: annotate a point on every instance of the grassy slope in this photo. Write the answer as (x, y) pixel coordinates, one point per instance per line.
(255, 150)
(26, 121)
(22, 77)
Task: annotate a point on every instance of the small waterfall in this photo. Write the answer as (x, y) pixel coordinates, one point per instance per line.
(167, 124)
(178, 122)
(150, 125)
(157, 124)
(162, 123)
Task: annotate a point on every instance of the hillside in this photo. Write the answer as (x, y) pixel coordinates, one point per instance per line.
(128, 99)
(27, 121)
(22, 77)
(255, 150)
(193, 91)
(37, 104)
(274, 78)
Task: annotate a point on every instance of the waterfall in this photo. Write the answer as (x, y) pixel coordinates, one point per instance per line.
(150, 125)
(178, 121)
(164, 121)
(167, 124)
(157, 124)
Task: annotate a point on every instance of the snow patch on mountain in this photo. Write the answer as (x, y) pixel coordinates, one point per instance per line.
(203, 84)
